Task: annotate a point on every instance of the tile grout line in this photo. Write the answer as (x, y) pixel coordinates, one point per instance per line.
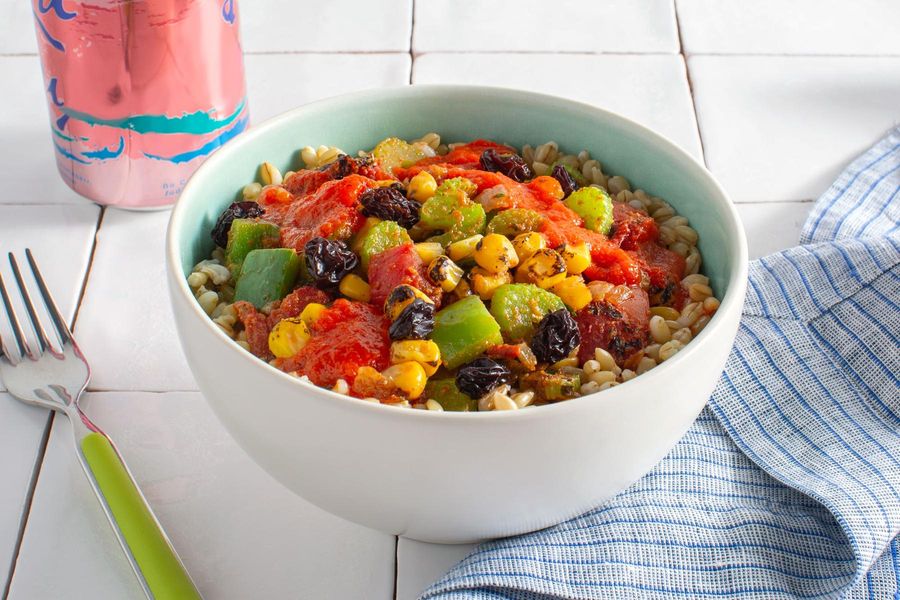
(549, 52)
(687, 73)
(48, 428)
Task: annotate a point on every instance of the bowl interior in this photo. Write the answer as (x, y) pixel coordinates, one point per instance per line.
(461, 113)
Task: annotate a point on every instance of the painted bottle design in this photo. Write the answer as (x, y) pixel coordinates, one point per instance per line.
(140, 92)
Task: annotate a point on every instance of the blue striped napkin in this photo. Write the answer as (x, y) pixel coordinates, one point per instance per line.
(788, 484)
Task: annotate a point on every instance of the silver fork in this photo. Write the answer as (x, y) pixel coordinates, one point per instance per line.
(54, 375)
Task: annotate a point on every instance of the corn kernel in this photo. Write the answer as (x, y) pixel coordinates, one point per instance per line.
(422, 186)
(311, 313)
(485, 283)
(578, 258)
(401, 297)
(409, 377)
(428, 251)
(424, 352)
(288, 337)
(545, 269)
(463, 248)
(495, 254)
(444, 272)
(526, 244)
(355, 288)
(573, 292)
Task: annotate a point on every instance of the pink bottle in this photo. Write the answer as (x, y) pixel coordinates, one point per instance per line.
(140, 92)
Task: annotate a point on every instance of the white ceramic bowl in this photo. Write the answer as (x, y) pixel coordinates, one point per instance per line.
(457, 477)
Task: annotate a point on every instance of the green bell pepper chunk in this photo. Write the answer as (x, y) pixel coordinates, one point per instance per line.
(519, 307)
(594, 206)
(379, 238)
(445, 393)
(246, 235)
(514, 221)
(552, 387)
(267, 275)
(464, 330)
(457, 184)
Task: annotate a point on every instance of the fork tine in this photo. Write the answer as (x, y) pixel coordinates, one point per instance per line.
(61, 327)
(13, 319)
(42, 339)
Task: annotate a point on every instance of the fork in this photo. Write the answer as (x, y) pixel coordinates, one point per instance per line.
(55, 376)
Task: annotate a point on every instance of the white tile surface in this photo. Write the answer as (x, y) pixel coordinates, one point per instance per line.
(796, 27)
(773, 226)
(19, 34)
(783, 128)
(279, 82)
(20, 443)
(125, 325)
(240, 533)
(420, 564)
(338, 26)
(534, 26)
(28, 168)
(652, 90)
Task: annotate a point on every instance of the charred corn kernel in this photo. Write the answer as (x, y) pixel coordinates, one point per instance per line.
(355, 288)
(409, 377)
(311, 313)
(444, 272)
(526, 244)
(424, 352)
(269, 174)
(428, 251)
(485, 283)
(422, 186)
(288, 337)
(578, 258)
(495, 254)
(400, 297)
(573, 292)
(545, 268)
(463, 248)
(462, 289)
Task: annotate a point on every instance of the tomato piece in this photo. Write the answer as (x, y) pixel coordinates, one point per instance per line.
(632, 227)
(620, 324)
(467, 155)
(256, 326)
(331, 211)
(665, 269)
(306, 182)
(294, 303)
(345, 337)
(396, 266)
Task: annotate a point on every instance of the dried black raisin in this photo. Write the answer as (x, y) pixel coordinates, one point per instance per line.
(238, 210)
(415, 321)
(390, 204)
(481, 376)
(511, 165)
(327, 261)
(565, 179)
(555, 337)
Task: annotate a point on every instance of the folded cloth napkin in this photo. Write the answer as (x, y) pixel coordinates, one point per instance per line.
(788, 484)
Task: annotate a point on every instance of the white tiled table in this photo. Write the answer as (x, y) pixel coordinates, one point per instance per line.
(775, 99)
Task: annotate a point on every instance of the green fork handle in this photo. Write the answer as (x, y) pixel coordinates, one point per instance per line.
(159, 565)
